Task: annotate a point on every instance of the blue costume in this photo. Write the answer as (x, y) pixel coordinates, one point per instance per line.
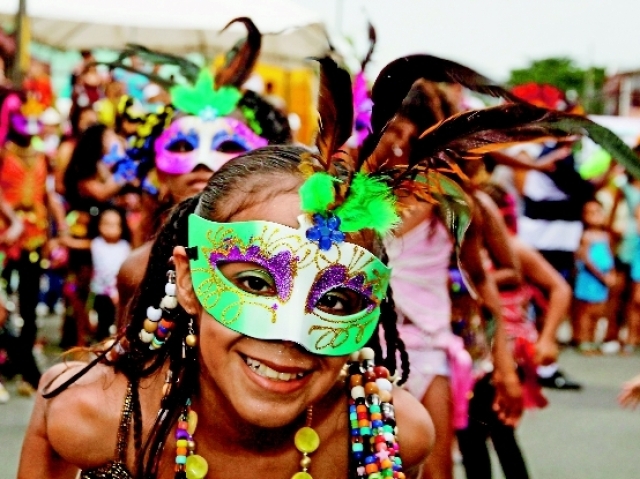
(587, 287)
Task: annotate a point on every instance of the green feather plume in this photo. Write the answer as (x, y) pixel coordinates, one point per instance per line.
(370, 204)
(317, 194)
(202, 96)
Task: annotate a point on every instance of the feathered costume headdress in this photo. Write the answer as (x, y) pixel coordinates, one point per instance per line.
(407, 154)
(201, 94)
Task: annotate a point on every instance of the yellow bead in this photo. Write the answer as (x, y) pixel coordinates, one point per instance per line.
(181, 443)
(192, 422)
(306, 440)
(196, 467)
(301, 475)
(305, 462)
(150, 326)
(191, 340)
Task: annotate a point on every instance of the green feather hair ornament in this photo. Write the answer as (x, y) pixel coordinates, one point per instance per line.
(317, 194)
(200, 97)
(370, 204)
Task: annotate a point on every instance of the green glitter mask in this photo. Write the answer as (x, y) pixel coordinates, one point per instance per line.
(286, 288)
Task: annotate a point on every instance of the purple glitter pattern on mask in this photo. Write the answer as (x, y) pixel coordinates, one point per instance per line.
(338, 275)
(279, 266)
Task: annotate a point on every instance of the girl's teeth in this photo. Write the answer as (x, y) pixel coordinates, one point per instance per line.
(266, 371)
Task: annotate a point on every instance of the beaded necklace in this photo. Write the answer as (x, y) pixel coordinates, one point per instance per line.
(374, 447)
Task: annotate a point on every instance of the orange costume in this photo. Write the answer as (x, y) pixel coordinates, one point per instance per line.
(23, 175)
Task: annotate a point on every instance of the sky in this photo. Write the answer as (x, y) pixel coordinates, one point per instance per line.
(492, 36)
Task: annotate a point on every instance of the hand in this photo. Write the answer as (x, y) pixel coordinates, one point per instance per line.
(546, 352)
(630, 394)
(507, 402)
(550, 160)
(11, 235)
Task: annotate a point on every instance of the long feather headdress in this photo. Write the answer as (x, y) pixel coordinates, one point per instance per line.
(411, 157)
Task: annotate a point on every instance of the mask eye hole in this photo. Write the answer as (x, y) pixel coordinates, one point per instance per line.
(249, 277)
(342, 302)
(231, 147)
(180, 146)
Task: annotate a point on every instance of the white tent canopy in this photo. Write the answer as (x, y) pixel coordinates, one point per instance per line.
(291, 33)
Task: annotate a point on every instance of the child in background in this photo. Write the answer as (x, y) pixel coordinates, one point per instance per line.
(633, 313)
(109, 248)
(594, 276)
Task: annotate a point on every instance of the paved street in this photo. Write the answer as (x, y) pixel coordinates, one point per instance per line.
(581, 435)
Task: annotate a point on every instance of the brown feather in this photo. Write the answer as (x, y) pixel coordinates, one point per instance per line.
(335, 107)
(242, 58)
(395, 80)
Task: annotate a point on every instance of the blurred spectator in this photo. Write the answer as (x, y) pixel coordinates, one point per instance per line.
(107, 107)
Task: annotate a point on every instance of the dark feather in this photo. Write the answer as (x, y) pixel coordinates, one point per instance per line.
(335, 107)
(477, 132)
(242, 58)
(372, 46)
(155, 78)
(421, 108)
(395, 80)
(188, 69)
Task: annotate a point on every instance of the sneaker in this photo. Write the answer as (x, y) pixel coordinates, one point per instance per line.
(4, 394)
(559, 381)
(25, 389)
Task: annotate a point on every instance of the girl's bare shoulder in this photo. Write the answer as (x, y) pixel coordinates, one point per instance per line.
(81, 422)
(415, 428)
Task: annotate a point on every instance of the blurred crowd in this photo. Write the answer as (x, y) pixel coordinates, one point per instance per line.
(78, 196)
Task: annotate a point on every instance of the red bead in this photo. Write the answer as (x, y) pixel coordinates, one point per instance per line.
(183, 425)
(363, 415)
(381, 372)
(166, 324)
(369, 376)
(380, 439)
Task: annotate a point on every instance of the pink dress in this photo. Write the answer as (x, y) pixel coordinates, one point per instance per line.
(419, 279)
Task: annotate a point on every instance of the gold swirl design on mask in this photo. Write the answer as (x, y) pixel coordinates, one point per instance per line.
(334, 337)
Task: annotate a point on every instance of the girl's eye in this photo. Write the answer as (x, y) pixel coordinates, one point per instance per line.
(255, 281)
(180, 146)
(341, 302)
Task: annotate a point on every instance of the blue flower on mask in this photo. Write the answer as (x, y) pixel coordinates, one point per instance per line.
(326, 231)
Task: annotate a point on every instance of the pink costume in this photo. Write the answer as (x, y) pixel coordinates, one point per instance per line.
(419, 279)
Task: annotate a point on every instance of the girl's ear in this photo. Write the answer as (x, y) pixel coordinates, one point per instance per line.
(185, 293)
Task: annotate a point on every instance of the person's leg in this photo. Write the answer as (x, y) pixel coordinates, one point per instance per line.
(616, 302)
(437, 401)
(472, 441)
(28, 291)
(506, 445)
(106, 311)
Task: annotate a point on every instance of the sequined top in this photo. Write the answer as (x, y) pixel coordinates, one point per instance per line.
(117, 468)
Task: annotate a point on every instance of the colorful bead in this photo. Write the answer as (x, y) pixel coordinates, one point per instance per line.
(381, 372)
(169, 302)
(150, 326)
(306, 440)
(196, 467)
(170, 289)
(357, 392)
(367, 354)
(146, 336)
(384, 384)
(301, 475)
(154, 314)
(191, 340)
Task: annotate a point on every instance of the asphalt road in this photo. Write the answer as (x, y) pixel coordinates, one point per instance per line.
(581, 434)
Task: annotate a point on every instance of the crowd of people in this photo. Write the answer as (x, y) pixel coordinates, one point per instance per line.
(227, 280)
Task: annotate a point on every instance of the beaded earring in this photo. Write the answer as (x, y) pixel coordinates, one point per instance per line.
(307, 441)
(374, 447)
(157, 327)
